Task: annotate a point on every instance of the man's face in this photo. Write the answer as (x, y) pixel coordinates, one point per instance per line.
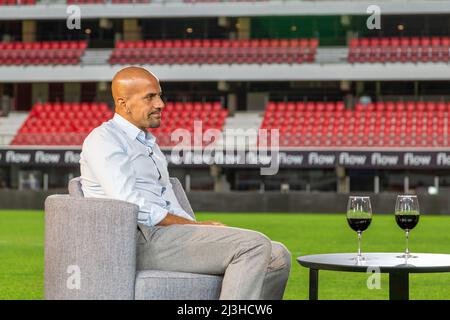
(146, 104)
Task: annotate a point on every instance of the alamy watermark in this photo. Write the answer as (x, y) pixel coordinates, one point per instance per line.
(74, 280)
(259, 147)
(74, 19)
(374, 20)
(374, 280)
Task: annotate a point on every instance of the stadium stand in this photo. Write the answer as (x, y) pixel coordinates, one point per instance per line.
(301, 124)
(209, 51)
(381, 124)
(17, 2)
(49, 52)
(183, 114)
(399, 49)
(47, 123)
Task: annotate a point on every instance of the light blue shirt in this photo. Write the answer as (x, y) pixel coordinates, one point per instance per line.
(120, 161)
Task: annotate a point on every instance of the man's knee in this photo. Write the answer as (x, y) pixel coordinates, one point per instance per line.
(280, 257)
(256, 240)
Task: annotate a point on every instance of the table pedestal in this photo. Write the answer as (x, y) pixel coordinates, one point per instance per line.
(398, 285)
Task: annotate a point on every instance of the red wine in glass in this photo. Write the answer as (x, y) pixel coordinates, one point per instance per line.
(407, 216)
(359, 217)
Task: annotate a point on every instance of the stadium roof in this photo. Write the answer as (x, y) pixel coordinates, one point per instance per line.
(265, 8)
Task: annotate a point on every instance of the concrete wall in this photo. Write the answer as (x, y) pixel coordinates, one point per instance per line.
(301, 202)
(14, 199)
(294, 202)
(72, 92)
(39, 92)
(29, 31)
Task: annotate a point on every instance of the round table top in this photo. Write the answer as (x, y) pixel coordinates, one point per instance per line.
(385, 262)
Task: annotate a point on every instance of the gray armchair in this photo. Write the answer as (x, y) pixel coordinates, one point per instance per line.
(90, 253)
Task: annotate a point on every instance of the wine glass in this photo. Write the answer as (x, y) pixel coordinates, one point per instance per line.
(407, 215)
(359, 217)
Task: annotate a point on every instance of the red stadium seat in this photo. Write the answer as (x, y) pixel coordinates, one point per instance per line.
(18, 53)
(17, 2)
(214, 51)
(390, 124)
(403, 49)
(45, 124)
(48, 122)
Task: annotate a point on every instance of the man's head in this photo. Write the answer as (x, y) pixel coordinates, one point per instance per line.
(137, 97)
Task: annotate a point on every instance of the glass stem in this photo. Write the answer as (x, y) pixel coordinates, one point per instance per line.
(359, 244)
(407, 243)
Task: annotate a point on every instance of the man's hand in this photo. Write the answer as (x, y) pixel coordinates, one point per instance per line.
(211, 223)
(172, 219)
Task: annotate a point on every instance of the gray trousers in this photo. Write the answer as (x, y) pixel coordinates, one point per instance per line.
(253, 267)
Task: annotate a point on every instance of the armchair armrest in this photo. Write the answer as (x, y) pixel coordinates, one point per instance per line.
(181, 196)
(90, 248)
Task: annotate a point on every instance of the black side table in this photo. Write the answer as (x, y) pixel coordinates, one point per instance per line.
(398, 268)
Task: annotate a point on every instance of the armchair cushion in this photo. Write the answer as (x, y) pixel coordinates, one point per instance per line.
(167, 285)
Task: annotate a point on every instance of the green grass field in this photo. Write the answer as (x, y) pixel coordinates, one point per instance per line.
(22, 253)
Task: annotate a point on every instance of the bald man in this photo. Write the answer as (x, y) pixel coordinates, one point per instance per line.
(121, 160)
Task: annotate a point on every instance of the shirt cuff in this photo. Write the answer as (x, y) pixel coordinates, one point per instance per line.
(156, 215)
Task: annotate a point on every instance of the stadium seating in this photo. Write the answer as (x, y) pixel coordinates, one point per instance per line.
(50, 52)
(182, 115)
(381, 124)
(16, 2)
(209, 51)
(416, 49)
(301, 124)
(70, 123)
(61, 123)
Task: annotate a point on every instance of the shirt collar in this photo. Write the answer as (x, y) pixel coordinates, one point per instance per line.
(134, 132)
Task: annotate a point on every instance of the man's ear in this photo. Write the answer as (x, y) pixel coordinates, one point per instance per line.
(123, 105)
